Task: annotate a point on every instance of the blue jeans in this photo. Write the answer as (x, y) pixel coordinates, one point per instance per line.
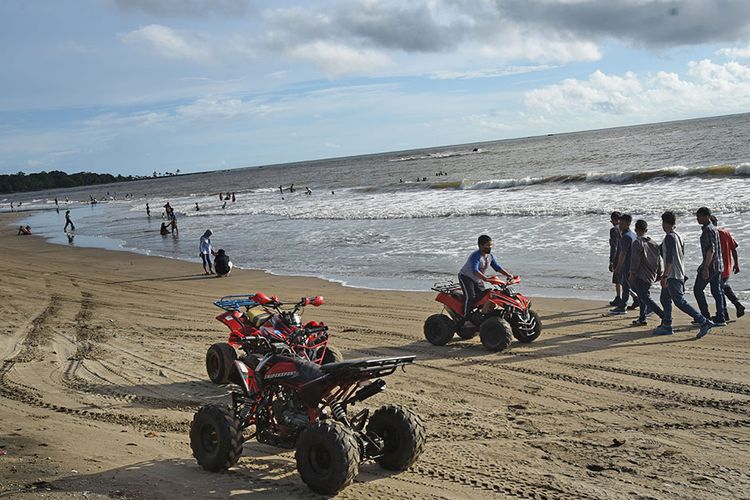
(729, 294)
(643, 289)
(675, 292)
(717, 290)
(625, 283)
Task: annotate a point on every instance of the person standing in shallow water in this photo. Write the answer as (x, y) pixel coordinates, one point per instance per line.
(68, 222)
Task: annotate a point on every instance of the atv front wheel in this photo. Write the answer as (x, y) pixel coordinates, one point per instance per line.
(327, 457)
(220, 362)
(332, 355)
(403, 435)
(439, 329)
(527, 329)
(495, 333)
(215, 438)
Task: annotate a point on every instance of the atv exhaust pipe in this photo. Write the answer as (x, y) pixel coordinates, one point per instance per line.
(367, 391)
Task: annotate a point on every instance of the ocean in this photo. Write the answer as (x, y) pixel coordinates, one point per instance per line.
(404, 220)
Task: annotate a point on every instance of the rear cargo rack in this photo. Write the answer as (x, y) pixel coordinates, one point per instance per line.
(377, 367)
(234, 302)
(446, 286)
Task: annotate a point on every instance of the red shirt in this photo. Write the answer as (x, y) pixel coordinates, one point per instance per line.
(727, 243)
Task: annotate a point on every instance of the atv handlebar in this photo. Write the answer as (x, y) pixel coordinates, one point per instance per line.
(495, 280)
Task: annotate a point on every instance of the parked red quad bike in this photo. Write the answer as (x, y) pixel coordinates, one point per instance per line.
(265, 316)
(294, 403)
(498, 316)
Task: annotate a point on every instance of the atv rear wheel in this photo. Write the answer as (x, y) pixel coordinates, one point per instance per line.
(215, 438)
(403, 435)
(439, 329)
(332, 355)
(220, 362)
(529, 330)
(495, 333)
(327, 457)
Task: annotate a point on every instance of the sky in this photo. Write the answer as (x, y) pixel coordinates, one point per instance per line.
(137, 86)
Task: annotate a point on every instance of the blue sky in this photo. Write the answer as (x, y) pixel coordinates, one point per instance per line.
(135, 86)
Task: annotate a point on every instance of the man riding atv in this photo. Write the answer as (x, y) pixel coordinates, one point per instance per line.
(472, 274)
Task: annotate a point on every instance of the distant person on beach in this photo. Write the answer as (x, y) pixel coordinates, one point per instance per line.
(281, 190)
(222, 264)
(206, 251)
(148, 211)
(233, 198)
(56, 204)
(164, 230)
(68, 222)
(24, 230)
(224, 206)
(197, 208)
(729, 253)
(221, 196)
(472, 274)
(11, 207)
(291, 188)
(709, 272)
(614, 241)
(673, 280)
(645, 270)
(307, 190)
(622, 268)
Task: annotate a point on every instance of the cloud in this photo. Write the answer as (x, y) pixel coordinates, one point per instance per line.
(221, 107)
(735, 52)
(654, 23)
(488, 72)
(337, 59)
(168, 43)
(705, 88)
(186, 8)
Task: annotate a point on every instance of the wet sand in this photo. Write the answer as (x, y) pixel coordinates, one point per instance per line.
(103, 367)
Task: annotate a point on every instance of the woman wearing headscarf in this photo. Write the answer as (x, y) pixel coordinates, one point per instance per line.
(206, 251)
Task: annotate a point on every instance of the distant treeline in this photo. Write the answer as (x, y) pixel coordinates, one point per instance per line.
(14, 183)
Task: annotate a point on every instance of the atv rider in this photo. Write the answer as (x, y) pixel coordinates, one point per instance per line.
(472, 273)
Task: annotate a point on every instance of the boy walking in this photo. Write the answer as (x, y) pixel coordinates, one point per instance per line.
(645, 269)
(728, 253)
(673, 280)
(709, 272)
(622, 269)
(614, 241)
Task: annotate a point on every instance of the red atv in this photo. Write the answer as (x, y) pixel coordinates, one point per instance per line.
(265, 316)
(294, 403)
(498, 315)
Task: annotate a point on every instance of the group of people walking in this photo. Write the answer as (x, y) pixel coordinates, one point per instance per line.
(637, 262)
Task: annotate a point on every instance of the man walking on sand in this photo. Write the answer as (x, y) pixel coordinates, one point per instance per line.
(728, 253)
(673, 280)
(622, 268)
(472, 274)
(645, 269)
(709, 272)
(614, 241)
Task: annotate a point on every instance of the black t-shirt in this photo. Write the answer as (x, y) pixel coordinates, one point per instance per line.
(221, 263)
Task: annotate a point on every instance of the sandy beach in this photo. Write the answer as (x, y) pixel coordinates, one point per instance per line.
(103, 367)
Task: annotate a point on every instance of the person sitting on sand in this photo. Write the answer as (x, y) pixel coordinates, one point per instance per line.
(472, 274)
(222, 264)
(24, 230)
(206, 251)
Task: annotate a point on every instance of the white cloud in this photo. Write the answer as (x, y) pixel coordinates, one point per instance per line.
(735, 52)
(218, 107)
(488, 72)
(168, 43)
(337, 59)
(705, 88)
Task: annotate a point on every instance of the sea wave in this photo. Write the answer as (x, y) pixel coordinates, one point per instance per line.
(439, 155)
(627, 177)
